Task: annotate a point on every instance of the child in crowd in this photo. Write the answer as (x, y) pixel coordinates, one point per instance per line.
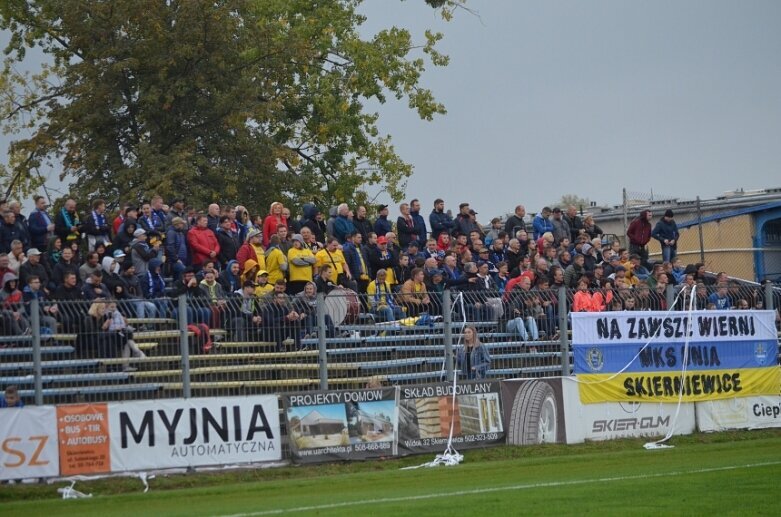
(118, 324)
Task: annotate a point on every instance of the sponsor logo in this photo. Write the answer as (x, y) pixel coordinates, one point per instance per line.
(595, 359)
(629, 424)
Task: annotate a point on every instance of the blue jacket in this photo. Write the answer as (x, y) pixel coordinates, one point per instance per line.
(352, 255)
(479, 358)
(665, 231)
(420, 225)
(541, 225)
(37, 222)
(176, 245)
(382, 226)
(342, 228)
(8, 234)
(440, 223)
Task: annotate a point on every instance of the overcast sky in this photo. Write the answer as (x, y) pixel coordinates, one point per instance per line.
(546, 98)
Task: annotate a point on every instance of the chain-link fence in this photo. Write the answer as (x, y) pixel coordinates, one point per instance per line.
(737, 234)
(60, 352)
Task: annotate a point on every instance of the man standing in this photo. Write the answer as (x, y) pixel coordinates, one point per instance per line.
(420, 223)
(357, 261)
(666, 232)
(343, 226)
(140, 251)
(202, 241)
(464, 220)
(228, 240)
(66, 223)
(382, 225)
(561, 229)
(40, 224)
(176, 210)
(440, 221)
(213, 217)
(574, 222)
(362, 223)
(9, 232)
(334, 257)
(96, 227)
(541, 223)
(515, 222)
(639, 233)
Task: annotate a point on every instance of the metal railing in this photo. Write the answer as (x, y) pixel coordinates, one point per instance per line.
(246, 344)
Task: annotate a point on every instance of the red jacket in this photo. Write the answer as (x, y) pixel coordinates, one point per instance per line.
(270, 224)
(246, 252)
(583, 301)
(202, 241)
(639, 231)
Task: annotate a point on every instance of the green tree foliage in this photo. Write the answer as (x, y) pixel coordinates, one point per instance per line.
(572, 200)
(244, 101)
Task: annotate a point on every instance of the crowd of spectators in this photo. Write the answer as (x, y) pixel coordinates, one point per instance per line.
(259, 276)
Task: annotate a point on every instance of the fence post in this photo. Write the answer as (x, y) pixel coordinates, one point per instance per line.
(699, 230)
(669, 294)
(184, 345)
(321, 344)
(447, 322)
(35, 321)
(564, 331)
(769, 296)
(625, 215)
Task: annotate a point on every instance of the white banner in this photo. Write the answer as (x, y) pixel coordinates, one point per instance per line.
(160, 434)
(28, 443)
(644, 326)
(611, 420)
(739, 413)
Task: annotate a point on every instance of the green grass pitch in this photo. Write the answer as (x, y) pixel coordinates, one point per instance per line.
(725, 474)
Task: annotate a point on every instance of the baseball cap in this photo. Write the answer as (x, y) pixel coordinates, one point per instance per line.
(139, 232)
(380, 208)
(33, 252)
(382, 240)
(119, 253)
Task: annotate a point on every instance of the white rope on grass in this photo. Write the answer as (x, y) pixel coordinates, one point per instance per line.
(69, 492)
(450, 457)
(660, 444)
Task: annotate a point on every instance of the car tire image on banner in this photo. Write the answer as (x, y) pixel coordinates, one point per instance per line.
(533, 415)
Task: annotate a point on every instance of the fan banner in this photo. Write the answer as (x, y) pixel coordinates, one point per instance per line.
(639, 356)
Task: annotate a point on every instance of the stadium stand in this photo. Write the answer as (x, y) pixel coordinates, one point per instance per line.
(156, 313)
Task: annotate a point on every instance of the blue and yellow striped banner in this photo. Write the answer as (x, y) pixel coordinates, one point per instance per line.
(640, 356)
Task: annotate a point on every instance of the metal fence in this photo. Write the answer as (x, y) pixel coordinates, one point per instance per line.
(60, 352)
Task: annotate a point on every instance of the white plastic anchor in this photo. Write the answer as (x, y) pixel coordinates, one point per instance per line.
(656, 445)
(69, 492)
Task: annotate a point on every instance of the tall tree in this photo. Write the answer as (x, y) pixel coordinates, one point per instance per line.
(244, 101)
